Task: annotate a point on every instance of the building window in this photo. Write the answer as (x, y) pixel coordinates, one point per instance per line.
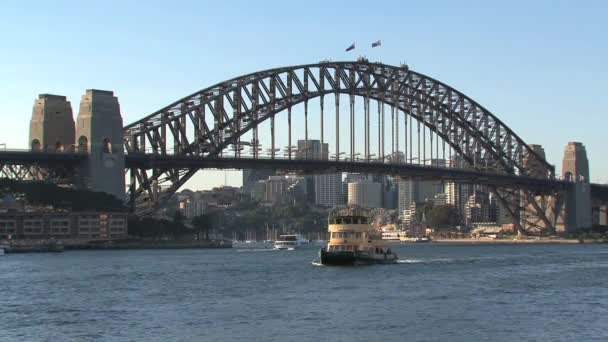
(8, 227)
(59, 226)
(32, 226)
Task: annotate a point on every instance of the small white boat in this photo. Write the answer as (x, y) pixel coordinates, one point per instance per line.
(290, 242)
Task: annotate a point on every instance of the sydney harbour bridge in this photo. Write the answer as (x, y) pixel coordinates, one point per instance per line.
(373, 118)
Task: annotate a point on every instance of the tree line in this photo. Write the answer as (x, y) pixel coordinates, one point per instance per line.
(46, 194)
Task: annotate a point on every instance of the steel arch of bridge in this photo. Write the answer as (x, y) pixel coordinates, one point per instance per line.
(220, 115)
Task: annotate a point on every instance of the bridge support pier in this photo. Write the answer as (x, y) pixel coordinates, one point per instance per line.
(577, 211)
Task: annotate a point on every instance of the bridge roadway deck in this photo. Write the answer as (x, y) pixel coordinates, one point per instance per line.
(148, 161)
(26, 157)
(599, 192)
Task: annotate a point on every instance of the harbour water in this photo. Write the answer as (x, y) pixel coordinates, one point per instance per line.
(436, 293)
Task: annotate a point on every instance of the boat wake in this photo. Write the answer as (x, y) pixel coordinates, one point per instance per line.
(255, 250)
(425, 261)
(317, 263)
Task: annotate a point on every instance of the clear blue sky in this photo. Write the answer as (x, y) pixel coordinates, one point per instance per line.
(540, 66)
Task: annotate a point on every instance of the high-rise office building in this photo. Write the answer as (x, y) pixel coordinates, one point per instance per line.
(252, 176)
(352, 178)
(276, 186)
(328, 190)
(457, 195)
(365, 194)
(390, 195)
(407, 194)
(312, 149)
(477, 208)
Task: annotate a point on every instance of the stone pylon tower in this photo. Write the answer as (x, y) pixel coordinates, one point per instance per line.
(575, 164)
(575, 167)
(99, 132)
(52, 124)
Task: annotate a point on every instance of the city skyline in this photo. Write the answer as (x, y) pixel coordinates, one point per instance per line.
(522, 92)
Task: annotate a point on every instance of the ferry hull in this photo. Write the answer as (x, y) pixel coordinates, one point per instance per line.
(341, 258)
(345, 258)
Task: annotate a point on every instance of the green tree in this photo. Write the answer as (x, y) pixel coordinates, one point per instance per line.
(443, 217)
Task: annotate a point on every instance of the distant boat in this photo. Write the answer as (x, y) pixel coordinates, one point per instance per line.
(290, 242)
(393, 235)
(415, 239)
(50, 246)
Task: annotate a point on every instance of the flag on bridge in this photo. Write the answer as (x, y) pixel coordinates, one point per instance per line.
(352, 47)
(376, 44)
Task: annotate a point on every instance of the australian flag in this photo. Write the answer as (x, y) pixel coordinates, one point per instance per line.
(352, 47)
(376, 44)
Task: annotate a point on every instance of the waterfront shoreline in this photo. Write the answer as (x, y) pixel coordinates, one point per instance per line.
(517, 242)
(151, 245)
(33, 247)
